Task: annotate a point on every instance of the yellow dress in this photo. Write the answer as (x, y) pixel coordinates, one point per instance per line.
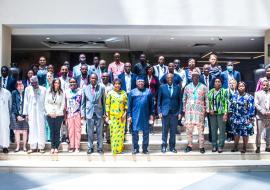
(116, 105)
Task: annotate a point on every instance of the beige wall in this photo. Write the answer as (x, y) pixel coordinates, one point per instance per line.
(5, 45)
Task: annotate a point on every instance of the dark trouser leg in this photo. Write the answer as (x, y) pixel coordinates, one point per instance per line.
(173, 128)
(214, 130)
(51, 123)
(146, 138)
(99, 124)
(58, 123)
(135, 140)
(165, 129)
(222, 129)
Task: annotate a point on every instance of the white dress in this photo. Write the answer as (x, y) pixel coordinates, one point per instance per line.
(35, 110)
(5, 106)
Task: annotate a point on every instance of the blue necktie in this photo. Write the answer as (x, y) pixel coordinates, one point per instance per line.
(171, 90)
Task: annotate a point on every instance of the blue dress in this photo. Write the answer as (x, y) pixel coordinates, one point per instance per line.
(140, 107)
(243, 110)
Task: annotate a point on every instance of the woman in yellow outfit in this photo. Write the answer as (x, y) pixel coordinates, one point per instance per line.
(116, 109)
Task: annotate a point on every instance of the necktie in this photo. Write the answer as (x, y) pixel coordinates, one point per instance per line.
(206, 80)
(93, 90)
(4, 82)
(170, 87)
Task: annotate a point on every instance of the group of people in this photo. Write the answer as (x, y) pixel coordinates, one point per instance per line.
(50, 106)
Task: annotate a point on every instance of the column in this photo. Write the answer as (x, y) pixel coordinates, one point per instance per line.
(5, 45)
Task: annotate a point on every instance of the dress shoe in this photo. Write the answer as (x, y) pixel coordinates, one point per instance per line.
(100, 151)
(202, 150)
(214, 149)
(188, 149)
(220, 150)
(108, 141)
(135, 151)
(235, 149)
(258, 150)
(42, 151)
(173, 150)
(5, 150)
(90, 151)
(267, 150)
(17, 150)
(145, 151)
(163, 150)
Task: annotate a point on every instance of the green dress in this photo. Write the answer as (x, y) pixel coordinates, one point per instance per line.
(116, 105)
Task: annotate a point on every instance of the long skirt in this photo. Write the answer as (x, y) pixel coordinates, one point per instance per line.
(117, 133)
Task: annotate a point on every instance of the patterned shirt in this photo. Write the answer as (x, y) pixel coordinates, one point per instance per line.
(116, 69)
(218, 101)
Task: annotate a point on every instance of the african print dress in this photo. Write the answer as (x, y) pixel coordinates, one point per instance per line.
(242, 110)
(116, 105)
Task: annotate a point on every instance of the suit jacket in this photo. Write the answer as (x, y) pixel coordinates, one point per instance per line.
(11, 84)
(78, 80)
(225, 78)
(202, 80)
(77, 70)
(261, 99)
(93, 103)
(16, 100)
(133, 81)
(167, 103)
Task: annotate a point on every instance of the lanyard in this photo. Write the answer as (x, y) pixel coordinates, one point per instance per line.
(195, 93)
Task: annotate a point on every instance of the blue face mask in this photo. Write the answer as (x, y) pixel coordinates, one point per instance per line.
(230, 68)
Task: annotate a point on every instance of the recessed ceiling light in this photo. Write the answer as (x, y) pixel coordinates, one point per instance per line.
(99, 38)
(212, 39)
(48, 38)
(252, 39)
(172, 38)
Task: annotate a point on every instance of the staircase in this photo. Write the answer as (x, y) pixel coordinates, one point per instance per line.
(154, 161)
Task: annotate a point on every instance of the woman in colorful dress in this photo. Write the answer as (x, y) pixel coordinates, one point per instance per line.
(116, 109)
(218, 109)
(231, 91)
(242, 111)
(73, 101)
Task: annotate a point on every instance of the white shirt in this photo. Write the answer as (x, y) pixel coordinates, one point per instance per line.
(128, 82)
(64, 83)
(160, 71)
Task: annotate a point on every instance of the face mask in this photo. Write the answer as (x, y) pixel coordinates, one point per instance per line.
(230, 68)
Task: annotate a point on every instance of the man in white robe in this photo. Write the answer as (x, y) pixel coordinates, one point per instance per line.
(5, 105)
(34, 111)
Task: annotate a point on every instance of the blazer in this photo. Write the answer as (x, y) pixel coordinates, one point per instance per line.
(225, 78)
(16, 102)
(260, 101)
(93, 104)
(167, 103)
(78, 80)
(133, 81)
(77, 70)
(202, 80)
(11, 84)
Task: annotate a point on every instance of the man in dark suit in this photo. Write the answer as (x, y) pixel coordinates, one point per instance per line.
(229, 74)
(8, 82)
(205, 78)
(169, 109)
(127, 78)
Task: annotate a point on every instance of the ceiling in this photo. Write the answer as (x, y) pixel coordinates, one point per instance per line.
(184, 41)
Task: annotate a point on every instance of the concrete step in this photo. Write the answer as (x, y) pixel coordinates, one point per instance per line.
(154, 145)
(130, 166)
(128, 156)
